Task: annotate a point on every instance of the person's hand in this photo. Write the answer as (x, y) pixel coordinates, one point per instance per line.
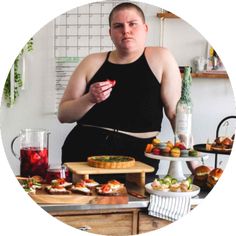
(188, 141)
(100, 91)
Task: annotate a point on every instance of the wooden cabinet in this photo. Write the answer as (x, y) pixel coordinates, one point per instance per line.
(111, 221)
(148, 223)
(105, 222)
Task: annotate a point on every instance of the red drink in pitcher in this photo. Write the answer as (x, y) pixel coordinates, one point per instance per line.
(34, 161)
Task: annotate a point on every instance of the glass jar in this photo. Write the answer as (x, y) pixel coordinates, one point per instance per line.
(57, 172)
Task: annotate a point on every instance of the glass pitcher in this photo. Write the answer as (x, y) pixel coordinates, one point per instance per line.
(33, 156)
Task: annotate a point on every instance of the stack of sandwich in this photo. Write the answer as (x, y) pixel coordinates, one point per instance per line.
(205, 177)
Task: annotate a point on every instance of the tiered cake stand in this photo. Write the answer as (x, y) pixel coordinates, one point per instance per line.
(175, 168)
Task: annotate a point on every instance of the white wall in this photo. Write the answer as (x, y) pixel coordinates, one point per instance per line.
(212, 98)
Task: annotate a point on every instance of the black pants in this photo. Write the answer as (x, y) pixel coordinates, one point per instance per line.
(84, 141)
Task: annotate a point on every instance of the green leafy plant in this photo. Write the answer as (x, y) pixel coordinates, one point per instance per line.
(17, 76)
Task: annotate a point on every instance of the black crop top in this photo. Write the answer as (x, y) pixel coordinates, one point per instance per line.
(134, 104)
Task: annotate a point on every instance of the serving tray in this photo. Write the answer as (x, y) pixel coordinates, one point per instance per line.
(194, 192)
(42, 197)
(202, 148)
(136, 173)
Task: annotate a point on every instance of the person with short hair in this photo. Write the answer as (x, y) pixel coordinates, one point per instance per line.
(117, 98)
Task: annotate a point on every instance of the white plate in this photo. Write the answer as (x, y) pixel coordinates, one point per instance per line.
(195, 191)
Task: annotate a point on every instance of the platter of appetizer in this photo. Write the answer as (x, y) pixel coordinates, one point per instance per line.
(171, 187)
(85, 191)
(30, 185)
(221, 145)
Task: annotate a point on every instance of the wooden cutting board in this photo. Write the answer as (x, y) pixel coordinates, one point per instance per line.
(82, 168)
(135, 174)
(42, 197)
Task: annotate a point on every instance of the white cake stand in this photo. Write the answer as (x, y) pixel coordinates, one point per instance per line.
(175, 168)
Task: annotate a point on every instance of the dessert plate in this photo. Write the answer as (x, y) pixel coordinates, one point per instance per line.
(194, 192)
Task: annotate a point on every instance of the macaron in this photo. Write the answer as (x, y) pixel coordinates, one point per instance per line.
(170, 144)
(184, 153)
(149, 148)
(175, 152)
(165, 151)
(156, 151)
(156, 141)
(193, 153)
(162, 145)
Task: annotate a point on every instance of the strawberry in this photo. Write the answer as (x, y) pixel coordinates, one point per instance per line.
(112, 82)
(35, 158)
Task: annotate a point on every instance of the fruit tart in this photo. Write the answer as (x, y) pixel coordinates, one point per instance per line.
(111, 162)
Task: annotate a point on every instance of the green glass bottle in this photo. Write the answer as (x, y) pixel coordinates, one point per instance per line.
(183, 122)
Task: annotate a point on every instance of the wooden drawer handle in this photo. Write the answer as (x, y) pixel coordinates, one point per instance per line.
(85, 228)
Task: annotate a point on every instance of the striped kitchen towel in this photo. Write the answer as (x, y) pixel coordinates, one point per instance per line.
(169, 208)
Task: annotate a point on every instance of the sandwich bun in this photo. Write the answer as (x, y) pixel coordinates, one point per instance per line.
(201, 172)
(227, 141)
(213, 177)
(201, 175)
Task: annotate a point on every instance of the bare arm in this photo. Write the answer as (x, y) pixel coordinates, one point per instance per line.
(75, 102)
(170, 86)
